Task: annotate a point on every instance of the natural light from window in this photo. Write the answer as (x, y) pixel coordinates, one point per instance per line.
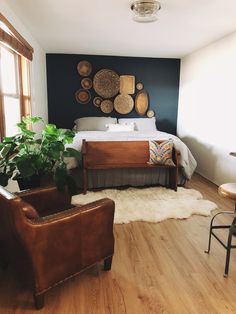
(10, 90)
(5, 28)
(8, 72)
(12, 115)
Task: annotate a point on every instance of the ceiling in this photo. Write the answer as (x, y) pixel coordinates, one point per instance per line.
(105, 27)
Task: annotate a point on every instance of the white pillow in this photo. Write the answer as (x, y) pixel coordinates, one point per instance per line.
(94, 123)
(120, 127)
(141, 124)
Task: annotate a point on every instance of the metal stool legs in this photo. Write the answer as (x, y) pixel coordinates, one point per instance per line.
(227, 246)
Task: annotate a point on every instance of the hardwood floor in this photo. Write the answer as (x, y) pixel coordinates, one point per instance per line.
(157, 268)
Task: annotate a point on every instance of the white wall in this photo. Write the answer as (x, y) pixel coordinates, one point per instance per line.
(38, 73)
(38, 65)
(207, 108)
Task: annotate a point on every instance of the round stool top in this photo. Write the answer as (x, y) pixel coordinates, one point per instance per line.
(228, 190)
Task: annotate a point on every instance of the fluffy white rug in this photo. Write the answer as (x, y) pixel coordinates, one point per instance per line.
(151, 204)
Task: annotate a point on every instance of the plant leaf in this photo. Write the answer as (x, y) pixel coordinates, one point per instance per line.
(8, 139)
(25, 166)
(4, 179)
(71, 185)
(29, 119)
(71, 152)
(5, 150)
(51, 129)
(59, 176)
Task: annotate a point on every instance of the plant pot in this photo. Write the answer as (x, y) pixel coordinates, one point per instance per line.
(30, 183)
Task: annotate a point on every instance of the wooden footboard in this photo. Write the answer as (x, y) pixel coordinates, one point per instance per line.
(123, 154)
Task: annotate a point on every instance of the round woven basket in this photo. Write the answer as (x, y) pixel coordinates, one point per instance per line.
(84, 68)
(106, 83)
(82, 96)
(139, 86)
(123, 104)
(97, 101)
(150, 113)
(86, 83)
(141, 103)
(107, 106)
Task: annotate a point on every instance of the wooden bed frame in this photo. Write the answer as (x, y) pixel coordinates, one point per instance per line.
(123, 154)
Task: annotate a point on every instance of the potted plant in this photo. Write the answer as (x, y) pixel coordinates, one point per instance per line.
(27, 156)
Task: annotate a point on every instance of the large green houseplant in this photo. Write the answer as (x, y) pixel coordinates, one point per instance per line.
(27, 154)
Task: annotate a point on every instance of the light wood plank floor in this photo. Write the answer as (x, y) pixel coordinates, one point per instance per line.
(157, 268)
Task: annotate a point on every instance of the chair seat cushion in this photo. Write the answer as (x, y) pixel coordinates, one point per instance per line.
(49, 212)
(228, 190)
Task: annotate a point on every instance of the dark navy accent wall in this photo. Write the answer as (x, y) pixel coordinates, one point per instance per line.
(159, 76)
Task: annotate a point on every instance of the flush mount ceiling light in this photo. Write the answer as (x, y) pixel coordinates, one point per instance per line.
(145, 11)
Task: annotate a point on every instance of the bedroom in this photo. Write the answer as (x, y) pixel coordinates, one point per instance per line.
(191, 90)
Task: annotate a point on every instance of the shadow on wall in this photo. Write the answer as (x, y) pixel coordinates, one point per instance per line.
(214, 161)
(205, 157)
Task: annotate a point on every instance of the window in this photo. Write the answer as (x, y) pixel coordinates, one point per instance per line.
(14, 89)
(15, 56)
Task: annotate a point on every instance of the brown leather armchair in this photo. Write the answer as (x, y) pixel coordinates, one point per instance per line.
(56, 239)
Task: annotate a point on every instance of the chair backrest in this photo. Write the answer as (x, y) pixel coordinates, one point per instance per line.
(40, 201)
(9, 204)
(11, 201)
(15, 215)
(13, 212)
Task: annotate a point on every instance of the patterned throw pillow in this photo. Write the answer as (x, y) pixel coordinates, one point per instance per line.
(161, 153)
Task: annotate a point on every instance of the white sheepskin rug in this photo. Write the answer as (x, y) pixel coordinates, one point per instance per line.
(152, 204)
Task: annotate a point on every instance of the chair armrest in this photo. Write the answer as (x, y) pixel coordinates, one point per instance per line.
(46, 200)
(70, 213)
(63, 244)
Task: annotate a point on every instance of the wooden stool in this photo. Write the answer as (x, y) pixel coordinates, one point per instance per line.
(227, 190)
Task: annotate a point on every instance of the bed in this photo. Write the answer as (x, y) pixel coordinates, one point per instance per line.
(135, 177)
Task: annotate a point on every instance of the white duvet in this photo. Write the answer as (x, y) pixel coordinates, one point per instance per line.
(187, 160)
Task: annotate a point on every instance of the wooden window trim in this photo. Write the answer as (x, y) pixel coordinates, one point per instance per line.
(23, 98)
(21, 86)
(2, 118)
(14, 40)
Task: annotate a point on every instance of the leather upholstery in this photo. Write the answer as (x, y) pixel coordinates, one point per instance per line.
(61, 244)
(29, 211)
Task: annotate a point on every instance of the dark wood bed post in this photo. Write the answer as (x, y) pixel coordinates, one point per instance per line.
(84, 161)
(174, 175)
